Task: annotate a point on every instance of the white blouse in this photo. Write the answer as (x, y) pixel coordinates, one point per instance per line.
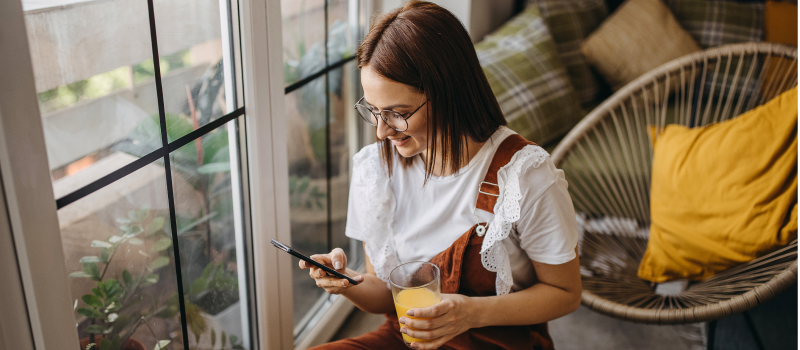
(402, 220)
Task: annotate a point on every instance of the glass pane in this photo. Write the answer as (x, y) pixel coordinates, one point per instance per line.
(96, 114)
(190, 48)
(342, 28)
(303, 36)
(308, 184)
(201, 173)
(343, 129)
(118, 250)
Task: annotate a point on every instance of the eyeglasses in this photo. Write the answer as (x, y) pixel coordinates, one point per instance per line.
(394, 120)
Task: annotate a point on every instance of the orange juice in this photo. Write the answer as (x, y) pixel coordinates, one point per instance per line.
(411, 299)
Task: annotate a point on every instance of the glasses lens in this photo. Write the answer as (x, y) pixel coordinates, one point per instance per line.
(365, 114)
(395, 120)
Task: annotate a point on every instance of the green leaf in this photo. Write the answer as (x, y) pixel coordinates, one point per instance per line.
(92, 270)
(162, 344)
(93, 301)
(101, 244)
(303, 185)
(98, 292)
(127, 278)
(158, 263)
(117, 342)
(106, 344)
(90, 259)
(105, 254)
(123, 220)
(154, 226)
(207, 270)
(79, 274)
(91, 313)
(149, 279)
(213, 168)
(134, 230)
(135, 241)
(198, 286)
(95, 329)
(197, 222)
(168, 312)
(223, 339)
(213, 338)
(161, 245)
(215, 147)
(113, 289)
(234, 339)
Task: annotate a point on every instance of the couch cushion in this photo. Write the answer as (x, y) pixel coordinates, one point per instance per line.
(570, 22)
(715, 23)
(723, 194)
(639, 36)
(526, 75)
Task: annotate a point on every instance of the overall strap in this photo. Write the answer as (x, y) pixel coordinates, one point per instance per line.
(489, 190)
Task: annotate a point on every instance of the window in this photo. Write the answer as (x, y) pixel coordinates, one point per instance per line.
(141, 107)
(320, 39)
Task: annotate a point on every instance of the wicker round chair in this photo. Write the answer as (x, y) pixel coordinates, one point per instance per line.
(607, 159)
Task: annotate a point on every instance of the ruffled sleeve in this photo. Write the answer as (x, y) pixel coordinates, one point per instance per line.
(370, 211)
(513, 184)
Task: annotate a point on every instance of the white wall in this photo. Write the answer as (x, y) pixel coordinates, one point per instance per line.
(480, 17)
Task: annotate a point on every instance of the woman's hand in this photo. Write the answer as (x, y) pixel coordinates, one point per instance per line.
(337, 260)
(449, 318)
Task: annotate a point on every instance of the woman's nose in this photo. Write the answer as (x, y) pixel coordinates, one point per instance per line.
(383, 130)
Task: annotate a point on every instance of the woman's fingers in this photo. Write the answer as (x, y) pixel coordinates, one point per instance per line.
(432, 311)
(338, 259)
(422, 324)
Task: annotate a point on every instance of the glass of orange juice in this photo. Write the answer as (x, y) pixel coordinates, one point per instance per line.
(415, 285)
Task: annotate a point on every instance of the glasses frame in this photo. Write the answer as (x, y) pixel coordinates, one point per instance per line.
(380, 114)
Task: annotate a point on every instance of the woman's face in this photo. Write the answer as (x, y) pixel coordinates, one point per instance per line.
(385, 94)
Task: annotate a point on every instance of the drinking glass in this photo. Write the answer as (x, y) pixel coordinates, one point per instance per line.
(415, 285)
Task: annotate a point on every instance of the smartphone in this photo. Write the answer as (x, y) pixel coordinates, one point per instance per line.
(329, 270)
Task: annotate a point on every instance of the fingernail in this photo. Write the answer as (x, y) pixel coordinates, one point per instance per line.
(404, 330)
(337, 265)
(410, 313)
(344, 283)
(359, 279)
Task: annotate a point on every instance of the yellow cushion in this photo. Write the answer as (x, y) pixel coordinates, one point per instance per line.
(723, 194)
(639, 36)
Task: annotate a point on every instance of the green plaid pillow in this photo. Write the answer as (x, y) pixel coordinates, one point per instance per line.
(521, 62)
(715, 23)
(569, 22)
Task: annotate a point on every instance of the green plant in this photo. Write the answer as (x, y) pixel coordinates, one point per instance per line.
(114, 305)
(302, 194)
(311, 98)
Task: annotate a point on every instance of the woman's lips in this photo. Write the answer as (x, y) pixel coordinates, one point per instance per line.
(401, 142)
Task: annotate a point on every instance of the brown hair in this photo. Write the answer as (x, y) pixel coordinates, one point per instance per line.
(426, 47)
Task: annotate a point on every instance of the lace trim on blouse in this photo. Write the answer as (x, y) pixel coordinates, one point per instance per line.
(506, 212)
(376, 202)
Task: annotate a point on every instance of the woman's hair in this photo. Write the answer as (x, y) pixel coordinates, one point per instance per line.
(426, 47)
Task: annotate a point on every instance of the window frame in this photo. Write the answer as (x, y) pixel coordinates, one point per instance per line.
(31, 205)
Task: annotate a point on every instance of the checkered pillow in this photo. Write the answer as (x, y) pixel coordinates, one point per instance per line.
(715, 23)
(521, 62)
(569, 22)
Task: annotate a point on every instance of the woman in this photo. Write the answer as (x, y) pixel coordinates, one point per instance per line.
(415, 197)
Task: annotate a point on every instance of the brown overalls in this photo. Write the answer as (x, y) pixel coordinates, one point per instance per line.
(464, 255)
